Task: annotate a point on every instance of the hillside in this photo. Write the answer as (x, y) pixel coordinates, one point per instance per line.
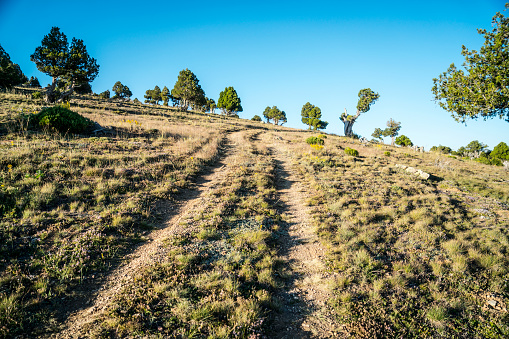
(174, 224)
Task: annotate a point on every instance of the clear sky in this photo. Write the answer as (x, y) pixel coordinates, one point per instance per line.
(282, 53)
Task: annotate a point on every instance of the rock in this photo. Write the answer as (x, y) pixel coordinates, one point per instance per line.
(492, 303)
(411, 170)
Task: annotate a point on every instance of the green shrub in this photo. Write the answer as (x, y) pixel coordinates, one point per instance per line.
(62, 119)
(489, 161)
(403, 140)
(36, 95)
(256, 118)
(352, 152)
(501, 151)
(387, 153)
(315, 141)
(441, 149)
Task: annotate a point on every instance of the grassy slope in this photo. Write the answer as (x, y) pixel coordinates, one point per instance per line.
(413, 258)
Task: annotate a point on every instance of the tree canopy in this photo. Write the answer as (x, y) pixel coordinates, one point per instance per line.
(274, 113)
(366, 98)
(229, 101)
(311, 115)
(153, 96)
(403, 140)
(121, 91)
(10, 73)
(392, 130)
(476, 146)
(501, 151)
(481, 88)
(63, 62)
(378, 134)
(187, 90)
(165, 96)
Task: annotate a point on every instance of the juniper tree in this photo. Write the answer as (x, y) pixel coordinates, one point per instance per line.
(63, 62)
(392, 130)
(211, 103)
(481, 88)
(187, 90)
(165, 96)
(229, 101)
(121, 91)
(10, 73)
(403, 140)
(378, 134)
(366, 98)
(311, 115)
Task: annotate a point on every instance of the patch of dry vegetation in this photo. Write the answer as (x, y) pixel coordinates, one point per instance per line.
(71, 204)
(219, 278)
(413, 258)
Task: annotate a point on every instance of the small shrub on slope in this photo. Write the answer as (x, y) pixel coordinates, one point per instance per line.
(352, 152)
(62, 119)
(315, 141)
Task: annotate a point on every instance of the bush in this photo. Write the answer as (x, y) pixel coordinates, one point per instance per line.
(256, 118)
(501, 151)
(62, 119)
(105, 95)
(403, 140)
(36, 95)
(489, 161)
(441, 149)
(315, 141)
(387, 153)
(352, 152)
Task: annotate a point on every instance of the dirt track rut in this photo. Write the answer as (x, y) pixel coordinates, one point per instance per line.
(304, 312)
(153, 250)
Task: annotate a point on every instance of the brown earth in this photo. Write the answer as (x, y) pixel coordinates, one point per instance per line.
(303, 311)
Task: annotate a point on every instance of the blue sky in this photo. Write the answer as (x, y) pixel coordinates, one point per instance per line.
(282, 53)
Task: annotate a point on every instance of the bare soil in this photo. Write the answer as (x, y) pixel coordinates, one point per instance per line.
(101, 293)
(304, 312)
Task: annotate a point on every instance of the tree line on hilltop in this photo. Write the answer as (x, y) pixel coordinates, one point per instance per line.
(479, 90)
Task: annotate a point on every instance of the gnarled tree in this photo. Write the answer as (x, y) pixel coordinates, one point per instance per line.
(64, 64)
(366, 98)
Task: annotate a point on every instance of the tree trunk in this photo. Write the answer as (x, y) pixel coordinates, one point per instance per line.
(49, 96)
(348, 121)
(348, 128)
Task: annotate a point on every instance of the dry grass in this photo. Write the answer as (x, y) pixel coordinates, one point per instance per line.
(72, 204)
(218, 282)
(413, 258)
